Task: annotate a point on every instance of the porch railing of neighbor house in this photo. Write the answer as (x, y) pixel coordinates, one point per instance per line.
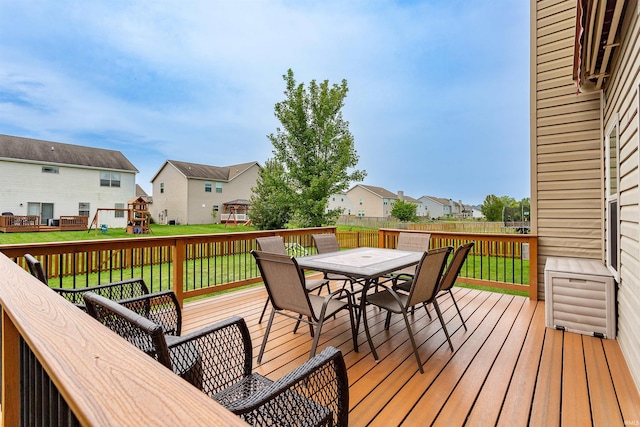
(198, 265)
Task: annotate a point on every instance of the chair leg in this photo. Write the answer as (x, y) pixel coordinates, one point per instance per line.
(354, 330)
(314, 346)
(387, 321)
(459, 313)
(264, 309)
(413, 341)
(444, 325)
(426, 308)
(266, 336)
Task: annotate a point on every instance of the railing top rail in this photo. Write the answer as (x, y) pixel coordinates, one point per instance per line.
(104, 379)
(16, 250)
(474, 236)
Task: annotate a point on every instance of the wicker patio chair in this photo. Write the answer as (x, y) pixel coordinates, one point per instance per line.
(328, 242)
(284, 280)
(275, 244)
(116, 290)
(218, 360)
(424, 288)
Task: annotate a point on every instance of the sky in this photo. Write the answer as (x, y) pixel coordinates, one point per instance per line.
(438, 100)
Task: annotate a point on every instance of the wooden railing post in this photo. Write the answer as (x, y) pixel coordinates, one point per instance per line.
(533, 268)
(10, 372)
(179, 251)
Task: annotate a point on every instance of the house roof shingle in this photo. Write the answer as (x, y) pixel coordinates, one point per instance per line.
(214, 173)
(15, 147)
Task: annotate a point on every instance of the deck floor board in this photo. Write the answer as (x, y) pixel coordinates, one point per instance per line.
(506, 369)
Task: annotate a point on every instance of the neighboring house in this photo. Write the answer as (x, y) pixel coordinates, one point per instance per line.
(420, 209)
(584, 145)
(373, 202)
(437, 207)
(341, 201)
(190, 193)
(51, 179)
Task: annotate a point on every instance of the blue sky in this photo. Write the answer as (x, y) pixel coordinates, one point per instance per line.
(438, 98)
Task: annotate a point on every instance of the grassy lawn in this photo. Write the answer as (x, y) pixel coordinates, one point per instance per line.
(118, 233)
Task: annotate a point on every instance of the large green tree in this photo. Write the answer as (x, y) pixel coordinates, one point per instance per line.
(492, 208)
(271, 205)
(404, 211)
(315, 148)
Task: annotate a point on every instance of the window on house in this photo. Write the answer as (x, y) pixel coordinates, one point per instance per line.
(207, 187)
(360, 201)
(612, 166)
(119, 214)
(50, 169)
(109, 179)
(161, 187)
(83, 209)
(216, 208)
(218, 187)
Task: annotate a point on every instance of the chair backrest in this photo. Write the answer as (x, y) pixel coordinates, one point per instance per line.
(284, 281)
(35, 267)
(426, 282)
(459, 257)
(138, 330)
(413, 242)
(273, 244)
(326, 243)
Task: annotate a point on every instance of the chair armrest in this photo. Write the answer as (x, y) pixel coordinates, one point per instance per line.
(161, 308)
(310, 394)
(225, 353)
(115, 291)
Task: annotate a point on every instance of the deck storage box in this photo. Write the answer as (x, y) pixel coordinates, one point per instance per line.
(580, 296)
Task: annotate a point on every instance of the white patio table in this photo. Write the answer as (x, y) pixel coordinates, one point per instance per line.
(365, 264)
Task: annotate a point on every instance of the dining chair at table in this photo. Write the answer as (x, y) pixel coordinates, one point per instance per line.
(218, 360)
(275, 244)
(451, 275)
(327, 243)
(424, 287)
(285, 284)
(410, 242)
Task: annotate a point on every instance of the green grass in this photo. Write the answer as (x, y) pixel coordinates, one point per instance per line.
(117, 233)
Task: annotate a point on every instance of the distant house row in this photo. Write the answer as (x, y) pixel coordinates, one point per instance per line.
(370, 201)
(52, 179)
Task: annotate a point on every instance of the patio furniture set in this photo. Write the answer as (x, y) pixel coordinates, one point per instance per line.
(217, 359)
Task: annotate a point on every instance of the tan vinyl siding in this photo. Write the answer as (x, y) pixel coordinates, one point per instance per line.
(621, 102)
(567, 165)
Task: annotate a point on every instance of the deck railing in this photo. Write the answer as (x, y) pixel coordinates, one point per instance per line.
(197, 265)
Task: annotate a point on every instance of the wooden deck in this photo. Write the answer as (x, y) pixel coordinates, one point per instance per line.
(507, 369)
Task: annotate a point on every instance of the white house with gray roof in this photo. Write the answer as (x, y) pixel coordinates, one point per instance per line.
(51, 179)
(191, 193)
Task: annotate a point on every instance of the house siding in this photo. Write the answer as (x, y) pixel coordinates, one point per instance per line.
(174, 198)
(621, 104)
(567, 155)
(65, 190)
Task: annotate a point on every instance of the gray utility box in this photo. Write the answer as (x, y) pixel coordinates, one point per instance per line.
(580, 297)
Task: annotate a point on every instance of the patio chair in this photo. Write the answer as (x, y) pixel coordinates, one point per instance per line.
(424, 288)
(411, 242)
(284, 280)
(275, 244)
(451, 275)
(328, 242)
(218, 360)
(116, 290)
